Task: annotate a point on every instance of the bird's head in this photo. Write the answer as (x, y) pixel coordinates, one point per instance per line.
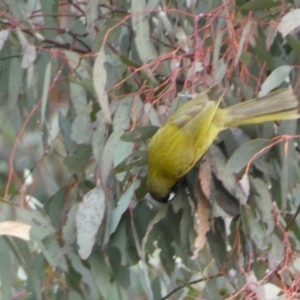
(163, 198)
(162, 189)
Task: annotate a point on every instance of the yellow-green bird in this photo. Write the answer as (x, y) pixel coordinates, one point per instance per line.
(188, 133)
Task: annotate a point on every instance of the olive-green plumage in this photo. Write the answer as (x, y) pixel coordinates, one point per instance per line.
(188, 133)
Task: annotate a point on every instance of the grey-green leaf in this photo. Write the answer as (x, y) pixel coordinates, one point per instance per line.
(122, 205)
(89, 217)
(245, 154)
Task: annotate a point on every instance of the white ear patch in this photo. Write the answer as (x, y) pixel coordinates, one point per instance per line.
(171, 196)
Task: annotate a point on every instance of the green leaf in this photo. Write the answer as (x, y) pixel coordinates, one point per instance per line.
(108, 155)
(82, 129)
(29, 51)
(156, 288)
(53, 253)
(128, 62)
(91, 11)
(81, 67)
(277, 77)
(41, 225)
(6, 277)
(152, 114)
(88, 220)
(228, 179)
(46, 89)
(111, 37)
(99, 79)
(78, 97)
(159, 216)
(290, 172)
(69, 229)
(289, 22)
(86, 275)
(294, 43)
(276, 255)
(49, 11)
(122, 151)
(73, 295)
(244, 37)
(120, 240)
(134, 159)
(264, 203)
(14, 83)
(141, 27)
(65, 128)
(23, 254)
(256, 5)
(122, 115)
(122, 206)
(103, 279)
(78, 161)
(142, 190)
(3, 37)
(99, 140)
(121, 272)
(262, 53)
(139, 134)
(255, 229)
(55, 206)
(217, 47)
(245, 153)
(221, 70)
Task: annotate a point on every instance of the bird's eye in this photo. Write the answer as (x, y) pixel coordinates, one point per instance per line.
(171, 196)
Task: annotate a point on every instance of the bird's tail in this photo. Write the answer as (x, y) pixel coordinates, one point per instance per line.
(278, 105)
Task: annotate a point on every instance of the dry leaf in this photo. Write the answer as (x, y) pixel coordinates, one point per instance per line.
(16, 229)
(203, 225)
(203, 194)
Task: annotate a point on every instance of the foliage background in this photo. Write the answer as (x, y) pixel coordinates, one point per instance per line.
(83, 86)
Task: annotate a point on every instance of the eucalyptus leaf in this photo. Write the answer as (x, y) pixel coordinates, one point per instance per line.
(108, 154)
(14, 83)
(88, 220)
(82, 129)
(134, 159)
(122, 150)
(276, 255)
(5, 270)
(87, 278)
(77, 162)
(139, 134)
(256, 5)
(141, 27)
(46, 87)
(121, 118)
(98, 142)
(66, 129)
(263, 201)
(245, 153)
(99, 79)
(3, 37)
(53, 253)
(278, 76)
(122, 206)
(22, 253)
(289, 22)
(103, 279)
(69, 228)
(78, 97)
(121, 272)
(255, 229)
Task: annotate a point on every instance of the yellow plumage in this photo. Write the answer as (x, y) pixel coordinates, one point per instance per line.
(188, 133)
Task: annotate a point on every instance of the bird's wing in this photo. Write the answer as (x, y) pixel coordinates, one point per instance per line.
(191, 109)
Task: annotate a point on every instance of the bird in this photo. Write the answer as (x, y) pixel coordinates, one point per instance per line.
(187, 134)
